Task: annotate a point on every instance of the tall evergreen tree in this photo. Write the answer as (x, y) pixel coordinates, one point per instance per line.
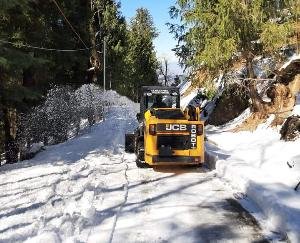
(216, 33)
(107, 24)
(24, 69)
(38, 48)
(14, 66)
(141, 55)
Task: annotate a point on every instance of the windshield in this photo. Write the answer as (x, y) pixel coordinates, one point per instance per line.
(161, 101)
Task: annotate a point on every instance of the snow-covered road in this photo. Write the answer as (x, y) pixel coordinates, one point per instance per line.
(181, 205)
(89, 190)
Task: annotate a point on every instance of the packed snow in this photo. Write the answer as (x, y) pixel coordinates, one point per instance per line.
(63, 191)
(293, 58)
(183, 87)
(88, 189)
(265, 168)
(187, 99)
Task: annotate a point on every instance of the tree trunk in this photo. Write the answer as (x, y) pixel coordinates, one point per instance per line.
(10, 130)
(1, 115)
(166, 80)
(9, 118)
(28, 78)
(94, 58)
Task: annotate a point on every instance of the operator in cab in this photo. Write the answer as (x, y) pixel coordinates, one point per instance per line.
(158, 102)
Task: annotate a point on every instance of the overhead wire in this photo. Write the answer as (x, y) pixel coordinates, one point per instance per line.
(60, 10)
(44, 48)
(18, 45)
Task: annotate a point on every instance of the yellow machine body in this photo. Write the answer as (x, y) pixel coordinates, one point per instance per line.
(166, 135)
(175, 130)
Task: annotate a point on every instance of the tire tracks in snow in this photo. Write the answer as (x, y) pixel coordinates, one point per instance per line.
(126, 189)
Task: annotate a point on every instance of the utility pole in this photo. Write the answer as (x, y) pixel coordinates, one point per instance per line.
(104, 63)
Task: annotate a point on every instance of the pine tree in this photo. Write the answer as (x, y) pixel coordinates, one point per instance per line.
(14, 63)
(216, 33)
(107, 24)
(27, 69)
(141, 55)
(25, 72)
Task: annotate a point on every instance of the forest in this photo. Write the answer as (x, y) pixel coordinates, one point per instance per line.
(59, 46)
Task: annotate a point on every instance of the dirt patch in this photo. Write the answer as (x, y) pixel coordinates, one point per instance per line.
(243, 214)
(283, 101)
(283, 97)
(245, 218)
(188, 91)
(229, 105)
(251, 123)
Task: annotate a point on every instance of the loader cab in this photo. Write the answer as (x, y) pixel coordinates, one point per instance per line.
(158, 97)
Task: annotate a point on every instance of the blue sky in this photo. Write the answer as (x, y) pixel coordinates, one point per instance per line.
(159, 10)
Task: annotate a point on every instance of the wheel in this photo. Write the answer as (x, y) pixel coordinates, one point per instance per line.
(129, 143)
(140, 153)
(142, 164)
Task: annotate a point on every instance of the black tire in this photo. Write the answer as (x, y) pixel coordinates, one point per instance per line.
(140, 153)
(129, 143)
(142, 164)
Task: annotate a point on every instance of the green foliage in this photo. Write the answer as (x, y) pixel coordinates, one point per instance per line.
(109, 24)
(217, 52)
(19, 96)
(141, 55)
(8, 4)
(40, 24)
(217, 32)
(26, 73)
(274, 36)
(210, 91)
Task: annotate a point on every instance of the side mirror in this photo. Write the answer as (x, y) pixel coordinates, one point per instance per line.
(138, 116)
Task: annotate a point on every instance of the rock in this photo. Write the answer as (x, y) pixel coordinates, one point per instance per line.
(229, 105)
(290, 130)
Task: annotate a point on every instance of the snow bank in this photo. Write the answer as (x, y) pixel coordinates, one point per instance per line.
(293, 58)
(183, 87)
(264, 168)
(186, 100)
(69, 189)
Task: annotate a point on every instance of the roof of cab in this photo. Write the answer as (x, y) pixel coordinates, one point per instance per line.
(149, 88)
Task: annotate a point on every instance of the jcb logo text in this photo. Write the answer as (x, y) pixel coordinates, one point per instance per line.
(176, 127)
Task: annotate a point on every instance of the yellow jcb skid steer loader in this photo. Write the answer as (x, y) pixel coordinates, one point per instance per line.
(166, 135)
